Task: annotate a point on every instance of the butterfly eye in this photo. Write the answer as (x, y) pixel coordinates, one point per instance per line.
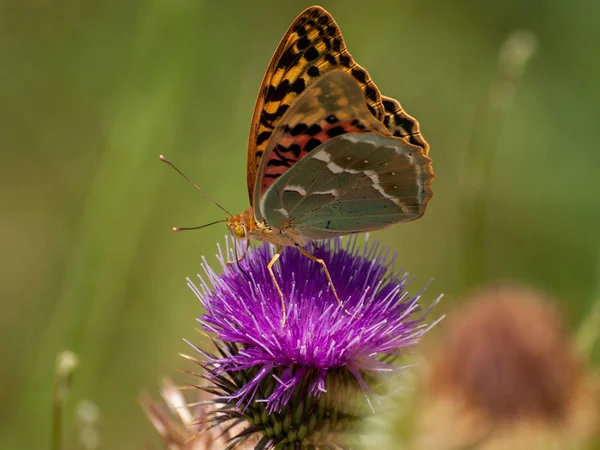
(239, 231)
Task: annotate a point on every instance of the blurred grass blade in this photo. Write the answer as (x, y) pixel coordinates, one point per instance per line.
(515, 53)
(588, 334)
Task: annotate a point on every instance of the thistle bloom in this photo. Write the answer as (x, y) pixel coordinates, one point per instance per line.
(300, 382)
(506, 375)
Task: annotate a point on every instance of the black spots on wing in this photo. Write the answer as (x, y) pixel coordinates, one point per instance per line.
(401, 124)
(330, 59)
(281, 160)
(262, 137)
(345, 60)
(303, 43)
(313, 71)
(359, 74)
(371, 93)
(404, 122)
(288, 59)
(311, 25)
(331, 119)
(298, 86)
(335, 131)
(278, 93)
(317, 12)
(311, 54)
(331, 31)
(278, 163)
(415, 141)
(373, 111)
(300, 30)
(322, 20)
(396, 118)
(281, 110)
(258, 154)
(295, 149)
(312, 144)
(337, 45)
(390, 106)
(267, 119)
(358, 124)
(281, 151)
(298, 129)
(313, 130)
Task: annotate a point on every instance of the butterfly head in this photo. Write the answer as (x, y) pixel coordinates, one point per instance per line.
(239, 231)
(242, 225)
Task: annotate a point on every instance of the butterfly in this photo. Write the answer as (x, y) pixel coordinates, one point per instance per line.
(328, 155)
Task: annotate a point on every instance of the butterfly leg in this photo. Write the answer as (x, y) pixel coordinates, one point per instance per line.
(320, 261)
(270, 269)
(241, 258)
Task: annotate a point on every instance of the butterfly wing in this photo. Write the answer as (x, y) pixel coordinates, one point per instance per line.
(355, 177)
(313, 46)
(351, 184)
(331, 106)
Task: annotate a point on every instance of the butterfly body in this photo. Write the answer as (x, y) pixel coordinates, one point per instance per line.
(245, 226)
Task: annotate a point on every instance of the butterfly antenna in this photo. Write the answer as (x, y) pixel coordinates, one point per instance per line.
(197, 228)
(166, 161)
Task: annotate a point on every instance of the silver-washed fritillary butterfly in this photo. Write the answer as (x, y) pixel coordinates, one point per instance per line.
(328, 155)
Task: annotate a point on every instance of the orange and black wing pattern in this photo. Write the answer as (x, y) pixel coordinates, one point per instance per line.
(313, 46)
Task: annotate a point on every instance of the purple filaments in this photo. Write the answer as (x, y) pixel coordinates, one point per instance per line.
(319, 336)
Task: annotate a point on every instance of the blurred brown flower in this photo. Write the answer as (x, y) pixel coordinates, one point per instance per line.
(184, 426)
(505, 375)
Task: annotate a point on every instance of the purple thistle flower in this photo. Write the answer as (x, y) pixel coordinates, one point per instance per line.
(323, 357)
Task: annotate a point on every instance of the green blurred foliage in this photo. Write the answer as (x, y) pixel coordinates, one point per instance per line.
(92, 92)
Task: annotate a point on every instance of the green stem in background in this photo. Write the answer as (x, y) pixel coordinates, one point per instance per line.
(515, 53)
(66, 362)
(56, 421)
(588, 334)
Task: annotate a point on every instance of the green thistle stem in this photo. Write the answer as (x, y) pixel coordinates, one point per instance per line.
(56, 421)
(66, 362)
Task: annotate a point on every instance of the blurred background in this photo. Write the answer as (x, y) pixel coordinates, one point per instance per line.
(92, 92)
